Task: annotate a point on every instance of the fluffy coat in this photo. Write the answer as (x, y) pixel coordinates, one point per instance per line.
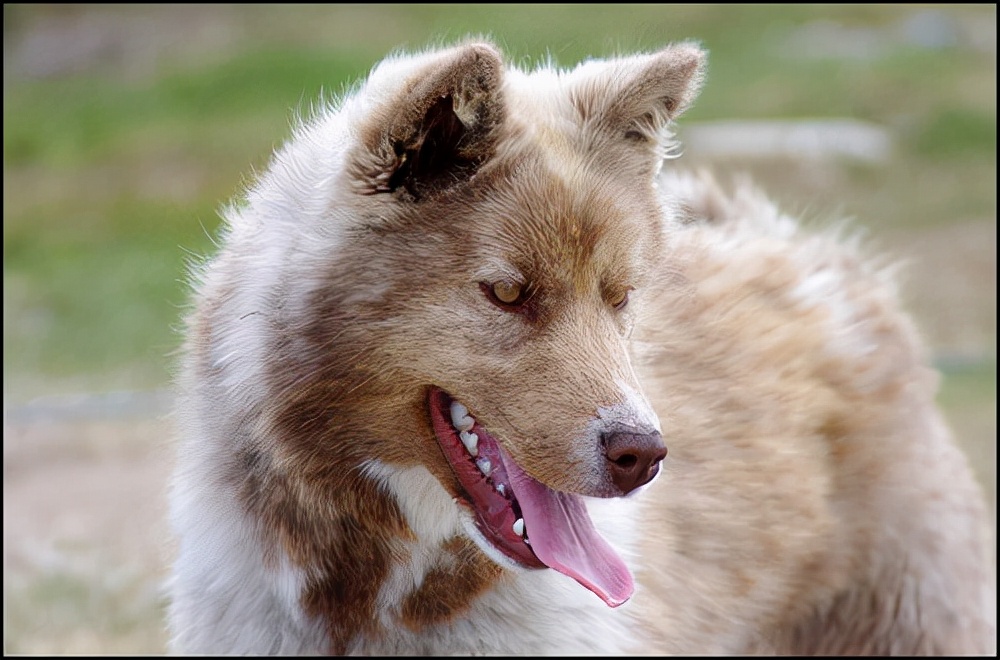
(458, 230)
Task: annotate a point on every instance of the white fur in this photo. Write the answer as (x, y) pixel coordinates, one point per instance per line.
(241, 601)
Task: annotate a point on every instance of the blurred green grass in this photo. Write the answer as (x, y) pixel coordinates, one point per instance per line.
(111, 181)
(62, 612)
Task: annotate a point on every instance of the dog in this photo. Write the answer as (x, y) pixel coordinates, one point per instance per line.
(470, 374)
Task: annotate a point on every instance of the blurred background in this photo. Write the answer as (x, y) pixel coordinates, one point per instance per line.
(127, 127)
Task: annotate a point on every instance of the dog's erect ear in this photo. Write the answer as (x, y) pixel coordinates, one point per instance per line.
(434, 125)
(633, 100)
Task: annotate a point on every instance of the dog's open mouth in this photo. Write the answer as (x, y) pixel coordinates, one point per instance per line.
(524, 519)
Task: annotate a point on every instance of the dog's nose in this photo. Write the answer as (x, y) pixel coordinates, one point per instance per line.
(633, 458)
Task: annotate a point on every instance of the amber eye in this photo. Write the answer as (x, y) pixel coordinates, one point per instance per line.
(507, 291)
(618, 301)
(508, 294)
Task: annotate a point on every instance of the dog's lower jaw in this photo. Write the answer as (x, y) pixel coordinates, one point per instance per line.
(504, 500)
(477, 461)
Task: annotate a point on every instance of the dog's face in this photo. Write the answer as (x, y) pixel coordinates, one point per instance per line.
(500, 231)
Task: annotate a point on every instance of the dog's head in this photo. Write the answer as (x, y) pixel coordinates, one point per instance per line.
(475, 265)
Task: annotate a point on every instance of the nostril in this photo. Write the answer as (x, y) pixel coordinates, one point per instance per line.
(633, 458)
(626, 461)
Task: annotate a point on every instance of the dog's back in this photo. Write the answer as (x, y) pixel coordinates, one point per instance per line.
(462, 317)
(805, 429)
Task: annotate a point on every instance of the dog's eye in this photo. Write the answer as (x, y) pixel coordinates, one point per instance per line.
(507, 291)
(507, 294)
(619, 300)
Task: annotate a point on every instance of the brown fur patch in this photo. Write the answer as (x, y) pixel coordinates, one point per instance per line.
(330, 520)
(450, 588)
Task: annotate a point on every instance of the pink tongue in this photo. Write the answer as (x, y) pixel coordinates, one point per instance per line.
(563, 537)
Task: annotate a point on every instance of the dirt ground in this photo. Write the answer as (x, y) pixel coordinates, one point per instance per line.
(85, 536)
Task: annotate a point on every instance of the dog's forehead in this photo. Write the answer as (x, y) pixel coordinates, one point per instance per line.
(564, 200)
(563, 218)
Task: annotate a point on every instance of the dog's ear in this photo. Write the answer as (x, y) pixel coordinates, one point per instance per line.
(631, 101)
(434, 125)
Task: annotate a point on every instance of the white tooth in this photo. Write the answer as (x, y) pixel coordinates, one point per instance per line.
(519, 527)
(460, 418)
(501, 489)
(471, 442)
(484, 466)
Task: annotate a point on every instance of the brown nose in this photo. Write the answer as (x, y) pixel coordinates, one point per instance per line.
(633, 458)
